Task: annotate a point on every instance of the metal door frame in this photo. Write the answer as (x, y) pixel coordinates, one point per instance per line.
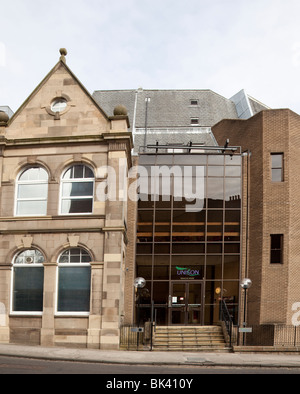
(186, 305)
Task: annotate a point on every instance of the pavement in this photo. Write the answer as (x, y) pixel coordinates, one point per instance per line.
(243, 359)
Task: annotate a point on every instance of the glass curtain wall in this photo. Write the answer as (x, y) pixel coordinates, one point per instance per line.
(188, 230)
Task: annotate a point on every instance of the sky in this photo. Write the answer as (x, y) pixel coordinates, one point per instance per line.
(221, 45)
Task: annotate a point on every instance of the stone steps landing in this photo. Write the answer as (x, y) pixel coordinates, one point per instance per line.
(189, 338)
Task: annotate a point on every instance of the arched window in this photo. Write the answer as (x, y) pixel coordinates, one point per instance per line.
(28, 281)
(74, 281)
(77, 190)
(32, 192)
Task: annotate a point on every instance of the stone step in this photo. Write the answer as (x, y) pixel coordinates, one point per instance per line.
(221, 340)
(189, 333)
(189, 329)
(193, 343)
(214, 345)
(198, 349)
(189, 338)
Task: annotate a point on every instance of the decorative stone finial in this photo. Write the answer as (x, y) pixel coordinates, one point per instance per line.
(120, 110)
(4, 118)
(63, 53)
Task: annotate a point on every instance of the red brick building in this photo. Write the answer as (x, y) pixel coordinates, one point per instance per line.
(272, 255)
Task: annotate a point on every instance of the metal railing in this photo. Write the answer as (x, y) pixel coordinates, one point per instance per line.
(132, 337)
(227, 319)
(278, 336)
(275, 335)
(139, 337)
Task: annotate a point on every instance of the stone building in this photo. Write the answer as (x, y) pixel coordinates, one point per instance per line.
(62, 244)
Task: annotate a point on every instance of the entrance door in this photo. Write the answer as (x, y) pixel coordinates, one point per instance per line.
(186, 303)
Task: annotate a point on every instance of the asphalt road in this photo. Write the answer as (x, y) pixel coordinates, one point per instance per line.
(16, 365)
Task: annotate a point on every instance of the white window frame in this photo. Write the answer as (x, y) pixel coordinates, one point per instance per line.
(61, 265)
(277, 167)
(76, 180)
(30, 182)
(33, 264)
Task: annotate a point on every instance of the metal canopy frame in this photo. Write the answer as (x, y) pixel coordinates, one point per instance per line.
(193, 146)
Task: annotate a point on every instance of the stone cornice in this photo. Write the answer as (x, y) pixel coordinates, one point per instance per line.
(120, 141)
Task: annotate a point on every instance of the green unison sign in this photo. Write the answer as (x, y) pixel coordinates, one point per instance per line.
(187, 272)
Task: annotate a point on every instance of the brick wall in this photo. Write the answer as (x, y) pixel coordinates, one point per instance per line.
(294, 220)
(273, 209)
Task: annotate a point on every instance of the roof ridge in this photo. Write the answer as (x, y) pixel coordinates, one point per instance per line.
(257, 101)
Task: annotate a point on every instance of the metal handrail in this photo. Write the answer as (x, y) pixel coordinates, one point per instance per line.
(226, 317)
(152, 324)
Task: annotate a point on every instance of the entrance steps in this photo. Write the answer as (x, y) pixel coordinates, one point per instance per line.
(189, 338)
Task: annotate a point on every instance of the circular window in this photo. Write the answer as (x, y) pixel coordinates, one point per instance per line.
(59, 105)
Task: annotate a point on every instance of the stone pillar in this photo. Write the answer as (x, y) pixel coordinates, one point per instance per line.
(48, 324)
(110, 333)
(114, 229)
(5, 274)
(95, 318)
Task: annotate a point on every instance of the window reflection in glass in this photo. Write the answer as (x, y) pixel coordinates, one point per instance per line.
(231, 267)
(233, 192)
(215, 171)
(206, 239)
(233, 160)
(277, 167)
(28, 281)
(233, 171)
(74, 281)
(74, 289)
(32, 192)
(77, 190)
(161, 267)
(215, 192)
(30, 256)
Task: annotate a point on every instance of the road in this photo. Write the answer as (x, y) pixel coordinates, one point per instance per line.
(16, 365)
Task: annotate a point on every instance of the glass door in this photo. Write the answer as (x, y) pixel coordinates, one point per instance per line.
(194, 306)
(178, 303)
(186, 303)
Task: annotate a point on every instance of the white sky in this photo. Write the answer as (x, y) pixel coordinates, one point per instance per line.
(222, 45)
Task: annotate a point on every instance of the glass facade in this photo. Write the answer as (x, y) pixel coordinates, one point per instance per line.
(188, 236)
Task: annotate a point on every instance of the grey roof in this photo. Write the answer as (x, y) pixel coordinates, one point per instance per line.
(168, 108)
(167, 115)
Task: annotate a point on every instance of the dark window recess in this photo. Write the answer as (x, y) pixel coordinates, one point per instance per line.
(276, 249)
(194, 102)
(195, 121)
(74, 289)
(28, 289)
